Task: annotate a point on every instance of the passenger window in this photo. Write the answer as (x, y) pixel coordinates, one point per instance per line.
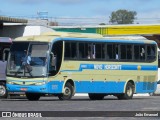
(70, 50)
(85, 51)
(126, 52)
(112, 51)
(139, 52)
(151, 52)
(142, 52)
(123, 51)
(99, 51)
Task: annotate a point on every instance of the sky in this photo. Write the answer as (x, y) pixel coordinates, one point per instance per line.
(146, 9)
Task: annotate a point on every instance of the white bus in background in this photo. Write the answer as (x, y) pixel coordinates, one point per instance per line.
(158, 64)
(157, 92)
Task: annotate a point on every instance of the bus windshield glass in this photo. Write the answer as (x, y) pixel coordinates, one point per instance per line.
(28, 59)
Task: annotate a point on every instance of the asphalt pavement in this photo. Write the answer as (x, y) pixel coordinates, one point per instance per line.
(81, 107)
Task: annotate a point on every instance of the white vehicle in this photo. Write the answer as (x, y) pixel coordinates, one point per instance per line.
(157, 92)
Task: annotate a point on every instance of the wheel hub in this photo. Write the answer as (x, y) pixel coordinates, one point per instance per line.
(67, 91)
(2, 90)
(129, 91)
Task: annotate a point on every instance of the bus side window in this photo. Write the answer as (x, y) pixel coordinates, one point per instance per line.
(53, 62)
(139, 52)
(151, 52)
(142, 53)
(55, 58)
(112, 51)
(81, 50)
(116, 53)
(85, 51)
(136, 52)
(99, 51)
(129, 51)
(70, 50)
(109, 51)
(123, 52)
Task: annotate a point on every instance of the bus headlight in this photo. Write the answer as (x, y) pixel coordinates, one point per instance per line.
(40, 83)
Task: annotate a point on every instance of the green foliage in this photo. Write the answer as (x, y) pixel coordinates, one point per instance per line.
(102, 24)
(122, 17)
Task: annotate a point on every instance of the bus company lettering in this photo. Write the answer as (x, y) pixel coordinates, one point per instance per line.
(107, 67)
(112, 67)
(98, 67)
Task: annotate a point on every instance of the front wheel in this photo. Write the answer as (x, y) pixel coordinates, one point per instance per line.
(33, 96)
(3, 91)
(68, 92)
(129, 91)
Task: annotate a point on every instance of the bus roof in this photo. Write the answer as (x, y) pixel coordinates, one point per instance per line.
(50, 36)
(5, 40)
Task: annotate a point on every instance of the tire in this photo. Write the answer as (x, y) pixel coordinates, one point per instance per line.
(129, 91)
(94, 96)
(151, 94)
(33, 96)
(3, 91)
(68, 92)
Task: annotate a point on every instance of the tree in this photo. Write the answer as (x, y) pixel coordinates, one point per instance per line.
(102, 24)
(123, 17)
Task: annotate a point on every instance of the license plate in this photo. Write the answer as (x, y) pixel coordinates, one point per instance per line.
(23, 89)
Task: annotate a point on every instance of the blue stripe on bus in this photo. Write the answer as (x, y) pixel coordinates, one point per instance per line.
(112, 87)
(108, 40)
(84, 87)
(104, 40)
(114, 67)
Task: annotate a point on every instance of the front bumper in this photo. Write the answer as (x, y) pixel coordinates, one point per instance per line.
(50, 87)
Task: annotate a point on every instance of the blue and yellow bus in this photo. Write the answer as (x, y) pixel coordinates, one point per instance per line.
(63, 64)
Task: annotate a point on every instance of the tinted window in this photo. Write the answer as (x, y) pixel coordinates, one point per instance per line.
(110, 51)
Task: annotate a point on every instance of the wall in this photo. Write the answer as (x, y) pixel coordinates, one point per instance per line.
(12, 31)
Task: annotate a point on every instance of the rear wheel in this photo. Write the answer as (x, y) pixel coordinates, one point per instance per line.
(3, 91)
(68, 92)
(129, 91)
(94, 96)
(33, 96)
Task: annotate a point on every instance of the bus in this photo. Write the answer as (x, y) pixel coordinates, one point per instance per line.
(5, 43)
(63, 64)
(157, 91)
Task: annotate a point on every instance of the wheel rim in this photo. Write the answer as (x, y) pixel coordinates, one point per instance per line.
(2, 90)
(67, 91)
(129, 91)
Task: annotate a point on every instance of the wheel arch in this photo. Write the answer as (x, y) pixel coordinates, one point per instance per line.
(71, 82)
(132, 82)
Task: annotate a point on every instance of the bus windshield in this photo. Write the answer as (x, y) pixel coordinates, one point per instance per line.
(28, 59)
